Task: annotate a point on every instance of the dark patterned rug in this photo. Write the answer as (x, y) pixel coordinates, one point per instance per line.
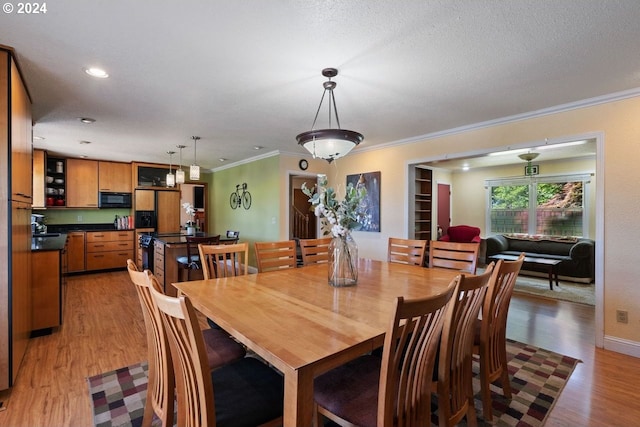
(537, 378)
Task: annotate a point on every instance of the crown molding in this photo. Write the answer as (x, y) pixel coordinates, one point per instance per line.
(590, 102)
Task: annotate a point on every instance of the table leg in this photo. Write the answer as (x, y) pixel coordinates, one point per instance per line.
(551, 277)
(298, 398)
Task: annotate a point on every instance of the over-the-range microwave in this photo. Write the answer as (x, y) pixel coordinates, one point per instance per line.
(114, 200)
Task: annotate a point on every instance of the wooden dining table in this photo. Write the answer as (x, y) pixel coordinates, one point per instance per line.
(302, 326)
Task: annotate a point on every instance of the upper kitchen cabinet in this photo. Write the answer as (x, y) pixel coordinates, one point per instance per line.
(114, 177)
(39, 177)
(82, 183)
(150, 175)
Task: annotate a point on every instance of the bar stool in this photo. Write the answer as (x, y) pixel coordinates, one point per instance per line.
(192, 260)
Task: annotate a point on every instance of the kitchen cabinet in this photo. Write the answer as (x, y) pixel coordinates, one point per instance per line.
(39, 176)
(55, 190)
(145, 200)
(46, 273)
(75, 252)
(168, 211)
(114, 177)
(82, 183)
(158, 262)
(108, 249)
(15, 246)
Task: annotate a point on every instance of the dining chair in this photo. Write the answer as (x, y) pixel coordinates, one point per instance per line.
(232, 237)
(219, 348)
(406, 251)
(315, 251)
(453, 376)
(394, 390)
(247, 392)
(490, 332)
(454, 255)
(275, 255)
(224, 260)
(192, 260)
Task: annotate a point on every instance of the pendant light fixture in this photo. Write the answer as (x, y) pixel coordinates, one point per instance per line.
(329, 144)
(194, 170)
(171, 178)
(530, 169)
(180, 172)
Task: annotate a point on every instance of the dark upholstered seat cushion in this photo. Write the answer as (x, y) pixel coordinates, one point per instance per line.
(351, 391)
(221, 349)
(247, 393)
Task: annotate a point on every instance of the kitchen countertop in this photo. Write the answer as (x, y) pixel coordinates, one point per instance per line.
(48, 243)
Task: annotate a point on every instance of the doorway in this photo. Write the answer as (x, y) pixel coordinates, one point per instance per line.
(596, 141)
(303, 223)
(196, 194)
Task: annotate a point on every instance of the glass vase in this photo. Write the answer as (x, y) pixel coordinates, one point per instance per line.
(343, 261)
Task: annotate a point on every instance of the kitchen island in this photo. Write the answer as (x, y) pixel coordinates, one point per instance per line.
(167, 247)
(48, 254)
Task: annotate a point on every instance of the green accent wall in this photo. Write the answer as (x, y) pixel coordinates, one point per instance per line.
(262, 221)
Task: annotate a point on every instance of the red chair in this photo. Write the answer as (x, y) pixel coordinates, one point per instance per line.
(462, 234)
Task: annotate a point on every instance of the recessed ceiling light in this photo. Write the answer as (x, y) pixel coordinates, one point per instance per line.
(38, 138)
(85, 142)
(96, 72)
(222, 159)
(258, 147)
(87, 120)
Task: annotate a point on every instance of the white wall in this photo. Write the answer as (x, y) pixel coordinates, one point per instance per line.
(617, 125)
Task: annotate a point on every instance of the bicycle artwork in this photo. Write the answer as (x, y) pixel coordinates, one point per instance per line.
(238, 198)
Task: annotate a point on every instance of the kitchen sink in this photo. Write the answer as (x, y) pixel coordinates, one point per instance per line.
(47, 235)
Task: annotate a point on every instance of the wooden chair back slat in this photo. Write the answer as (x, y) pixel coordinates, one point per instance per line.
(406, 251)
(275, 255)
(455, 256)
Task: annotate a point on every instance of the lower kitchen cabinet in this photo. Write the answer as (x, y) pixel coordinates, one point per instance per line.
(75, 252)
(46, 290)
(108, 249)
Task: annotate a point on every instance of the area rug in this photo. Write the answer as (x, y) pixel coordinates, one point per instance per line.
(567, 291)
(537, 379)
(581, 293)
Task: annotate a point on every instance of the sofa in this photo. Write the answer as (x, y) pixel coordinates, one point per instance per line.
(577, 254)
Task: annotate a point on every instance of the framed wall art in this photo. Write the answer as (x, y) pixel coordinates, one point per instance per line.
(371, 203)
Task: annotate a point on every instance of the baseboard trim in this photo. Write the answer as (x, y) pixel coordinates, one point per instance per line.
(620, 345)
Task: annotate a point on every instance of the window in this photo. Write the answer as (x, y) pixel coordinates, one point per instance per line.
(541, 205)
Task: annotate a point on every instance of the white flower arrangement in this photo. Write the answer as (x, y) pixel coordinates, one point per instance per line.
(339, 217)
(191, 211)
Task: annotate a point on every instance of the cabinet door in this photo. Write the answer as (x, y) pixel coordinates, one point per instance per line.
(21, 145)
(82, 183)
(145, 200)
(114, 176)
(75, 252)
(39, 175)
(168, 214)
(20, 282)
(45, 271)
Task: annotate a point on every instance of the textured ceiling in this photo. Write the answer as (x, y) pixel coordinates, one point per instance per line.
(245, 73)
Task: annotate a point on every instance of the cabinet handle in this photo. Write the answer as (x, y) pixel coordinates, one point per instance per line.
(98, 246)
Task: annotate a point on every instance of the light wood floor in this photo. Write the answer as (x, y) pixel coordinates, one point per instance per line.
(103, 330)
